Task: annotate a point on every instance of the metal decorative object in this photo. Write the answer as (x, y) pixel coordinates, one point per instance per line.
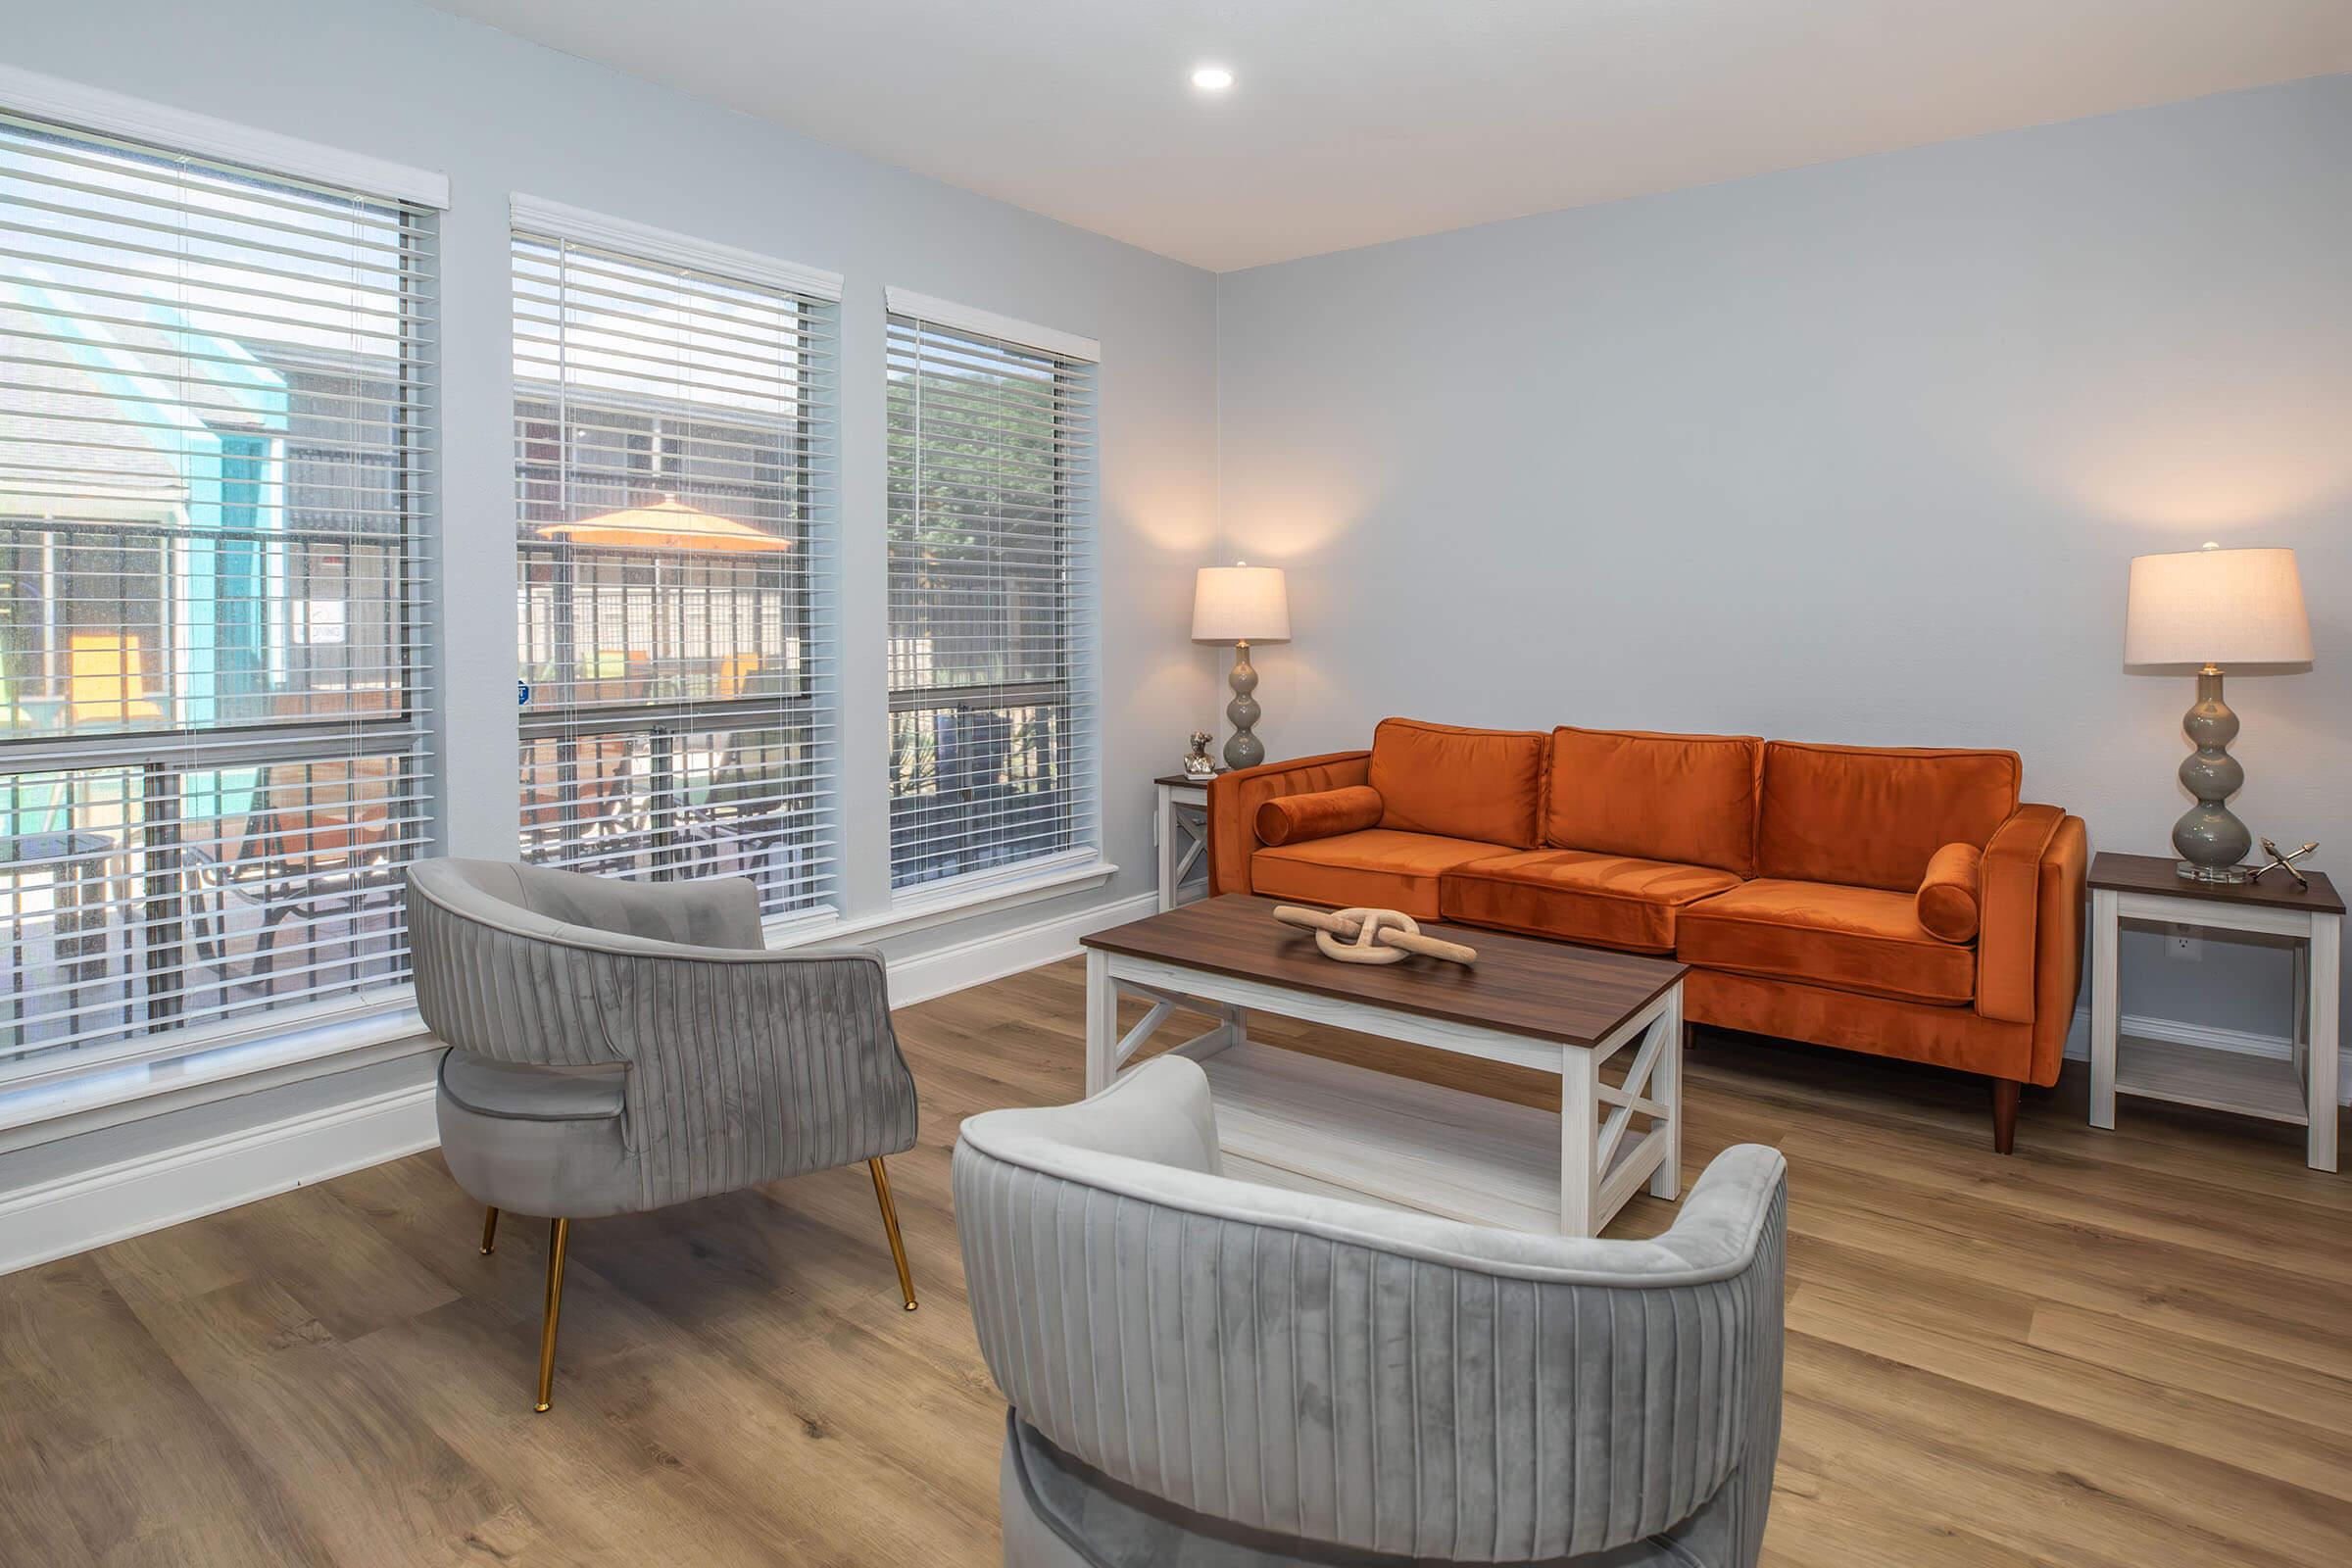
(1371, 936)
(1198, 763)
(2286, 862)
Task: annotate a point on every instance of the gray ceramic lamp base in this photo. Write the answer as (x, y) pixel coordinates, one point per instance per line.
(2211, 841)
(1243, 749)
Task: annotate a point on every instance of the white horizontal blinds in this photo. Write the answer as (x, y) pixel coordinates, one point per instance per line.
(212, 739)
(676, 617)
(993, 732)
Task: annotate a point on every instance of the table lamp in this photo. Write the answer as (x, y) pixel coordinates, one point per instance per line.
(1241, 604)
(2209, 607)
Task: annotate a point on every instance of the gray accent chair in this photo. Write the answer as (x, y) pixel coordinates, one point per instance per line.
(624, 1046)
(1208, 1373)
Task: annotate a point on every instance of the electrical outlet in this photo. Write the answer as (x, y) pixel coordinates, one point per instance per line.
(2186, 943)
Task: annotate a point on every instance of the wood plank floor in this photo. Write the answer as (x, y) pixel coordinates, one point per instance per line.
(2125, 1348)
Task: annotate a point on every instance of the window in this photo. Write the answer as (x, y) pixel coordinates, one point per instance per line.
(213, 734)
(992, 729)
(674, 619)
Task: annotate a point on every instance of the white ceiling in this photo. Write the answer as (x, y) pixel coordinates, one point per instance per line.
(1360, 120)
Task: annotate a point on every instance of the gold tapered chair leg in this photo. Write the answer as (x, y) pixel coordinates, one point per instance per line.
(890, 1224)
(489, 1229)
(559, 1234)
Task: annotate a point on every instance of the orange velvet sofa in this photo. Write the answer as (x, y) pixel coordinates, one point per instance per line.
(1891, 901)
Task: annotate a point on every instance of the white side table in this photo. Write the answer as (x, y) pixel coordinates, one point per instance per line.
(2144, 887)
(1180, 833)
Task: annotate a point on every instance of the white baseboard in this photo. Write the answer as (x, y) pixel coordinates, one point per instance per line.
(93, 1207)
(2212, 1038)
(90, 1208)
(992, 957)
(148, 1192)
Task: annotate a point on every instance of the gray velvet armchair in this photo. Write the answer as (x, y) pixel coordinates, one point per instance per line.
(623, 1045)
(1208, 1373)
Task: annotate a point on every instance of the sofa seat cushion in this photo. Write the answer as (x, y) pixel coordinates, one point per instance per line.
(1865, 940)
(1613, 901)
(1378, 868)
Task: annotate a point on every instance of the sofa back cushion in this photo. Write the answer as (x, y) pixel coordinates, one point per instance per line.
(1872, 816)
(1483, 784)
(1690, 799)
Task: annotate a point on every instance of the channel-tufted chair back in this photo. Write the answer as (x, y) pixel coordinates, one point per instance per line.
(1216, 1372)
(743, 1065)
(623, 1046)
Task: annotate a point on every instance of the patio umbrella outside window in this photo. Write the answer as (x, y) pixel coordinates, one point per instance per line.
(668, 524)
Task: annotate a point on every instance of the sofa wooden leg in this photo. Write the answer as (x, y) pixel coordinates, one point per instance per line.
(2004, 1115)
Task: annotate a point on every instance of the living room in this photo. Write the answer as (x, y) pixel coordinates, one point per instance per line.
(1760, 585)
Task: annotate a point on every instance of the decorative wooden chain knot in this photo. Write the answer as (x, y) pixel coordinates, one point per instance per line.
(1371, 936)
(1367, 948)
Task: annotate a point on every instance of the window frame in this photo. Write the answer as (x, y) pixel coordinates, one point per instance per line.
(1082, 862)
(161, 760)
(815, 711)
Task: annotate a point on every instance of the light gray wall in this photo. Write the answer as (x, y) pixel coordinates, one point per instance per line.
(1855, 453)
(398, 81)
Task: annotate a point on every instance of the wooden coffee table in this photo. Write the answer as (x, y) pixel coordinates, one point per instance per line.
(1319, 1126)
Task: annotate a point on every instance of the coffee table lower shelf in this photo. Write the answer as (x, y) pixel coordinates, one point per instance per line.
(1315, 1125)
(1312, 1125)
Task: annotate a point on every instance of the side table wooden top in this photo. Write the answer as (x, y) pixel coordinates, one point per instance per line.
(2155, 873)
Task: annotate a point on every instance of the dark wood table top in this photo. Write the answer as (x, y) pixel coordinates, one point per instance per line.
(2155, 873)
(1187, 778)
(1521, 985)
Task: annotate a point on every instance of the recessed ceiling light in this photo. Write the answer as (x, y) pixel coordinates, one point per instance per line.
(1213, 78)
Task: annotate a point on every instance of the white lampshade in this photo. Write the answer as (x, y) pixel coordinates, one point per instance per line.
(1241, 604)
(2216, 606)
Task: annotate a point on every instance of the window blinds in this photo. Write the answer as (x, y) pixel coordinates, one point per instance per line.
(213, 722)
(991, 594)
(676, 617)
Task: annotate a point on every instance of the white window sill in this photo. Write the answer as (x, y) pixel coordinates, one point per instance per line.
(190, 1071)
(193, 1071)
(959, 899)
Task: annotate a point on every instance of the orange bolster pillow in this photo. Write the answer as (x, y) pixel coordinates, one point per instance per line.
(1948, 894)
(1296, 818)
